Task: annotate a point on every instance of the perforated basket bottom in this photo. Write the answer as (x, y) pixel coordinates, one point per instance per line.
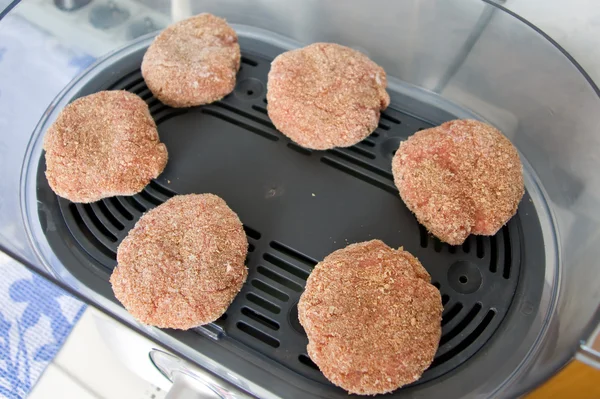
(297, 206)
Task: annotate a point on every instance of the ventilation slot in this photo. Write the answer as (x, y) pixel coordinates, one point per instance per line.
(374, 134)
(159, 109)
(126, 204)
(119, 207)
(262, 110)
(155, 104)
(445, 299)
(424, 237)
(89, 235)
(305, 360)
(467, 245)
(283, 265)
(98, 224)
(362, 164)
(250, 232)
(263, 303)
(162, 189)
(221, 319)
(140, 87)
(265, 321)
(494, 254)
(150, 198)
(360, 151)
(383, 126)
(437, 245)
(462, 325)
(251, 247)
(291, 253)
(272, 291)
(278, 278)
(452, 249)
(112, 219)
(229, 108)
(390, 118)
(129, 86)
(467, 341)
(267, 339)
(141, 199)
(454, 310)
(121, 83)
(367, 143)
(170, 115)
(135, 204)
(507, 253)
(297, 148)
(241, 124)
(145, 93)
(160, 112)
(480, 247)
(343, 168)
(248, 61)
(156, 195)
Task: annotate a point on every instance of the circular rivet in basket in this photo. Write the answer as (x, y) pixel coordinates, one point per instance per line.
(250, 89)
(464, 277)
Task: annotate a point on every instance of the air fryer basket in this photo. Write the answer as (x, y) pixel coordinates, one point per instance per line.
(297, 206)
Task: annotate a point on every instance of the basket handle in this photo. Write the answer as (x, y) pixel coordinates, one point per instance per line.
(192, 382)
(589, 351)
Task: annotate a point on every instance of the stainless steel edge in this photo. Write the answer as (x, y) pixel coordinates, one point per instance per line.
(192, 382)
(589, 351)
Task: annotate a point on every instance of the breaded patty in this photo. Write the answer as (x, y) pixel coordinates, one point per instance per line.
(463, 177)
(183, 262)
(372, 318)
(192, 62)
(326, 95)
(103, 145)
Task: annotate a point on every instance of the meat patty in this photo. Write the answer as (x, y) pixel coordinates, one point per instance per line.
(372, 318)
(193, 62)
(103, 145)
(462, 177)
(183, 262)
(326, 95)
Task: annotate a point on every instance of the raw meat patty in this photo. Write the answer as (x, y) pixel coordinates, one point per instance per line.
(372, 318)
(192, 62)
(326, 95)
(463, 177)
(103, 145)
(183, 262)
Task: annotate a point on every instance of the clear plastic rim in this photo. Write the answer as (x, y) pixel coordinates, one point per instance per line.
(37, 238)
(595, 320)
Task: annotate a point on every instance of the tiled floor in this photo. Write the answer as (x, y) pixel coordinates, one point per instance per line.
(86, 368)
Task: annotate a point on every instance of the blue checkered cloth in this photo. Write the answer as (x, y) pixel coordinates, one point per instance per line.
(36, 318)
